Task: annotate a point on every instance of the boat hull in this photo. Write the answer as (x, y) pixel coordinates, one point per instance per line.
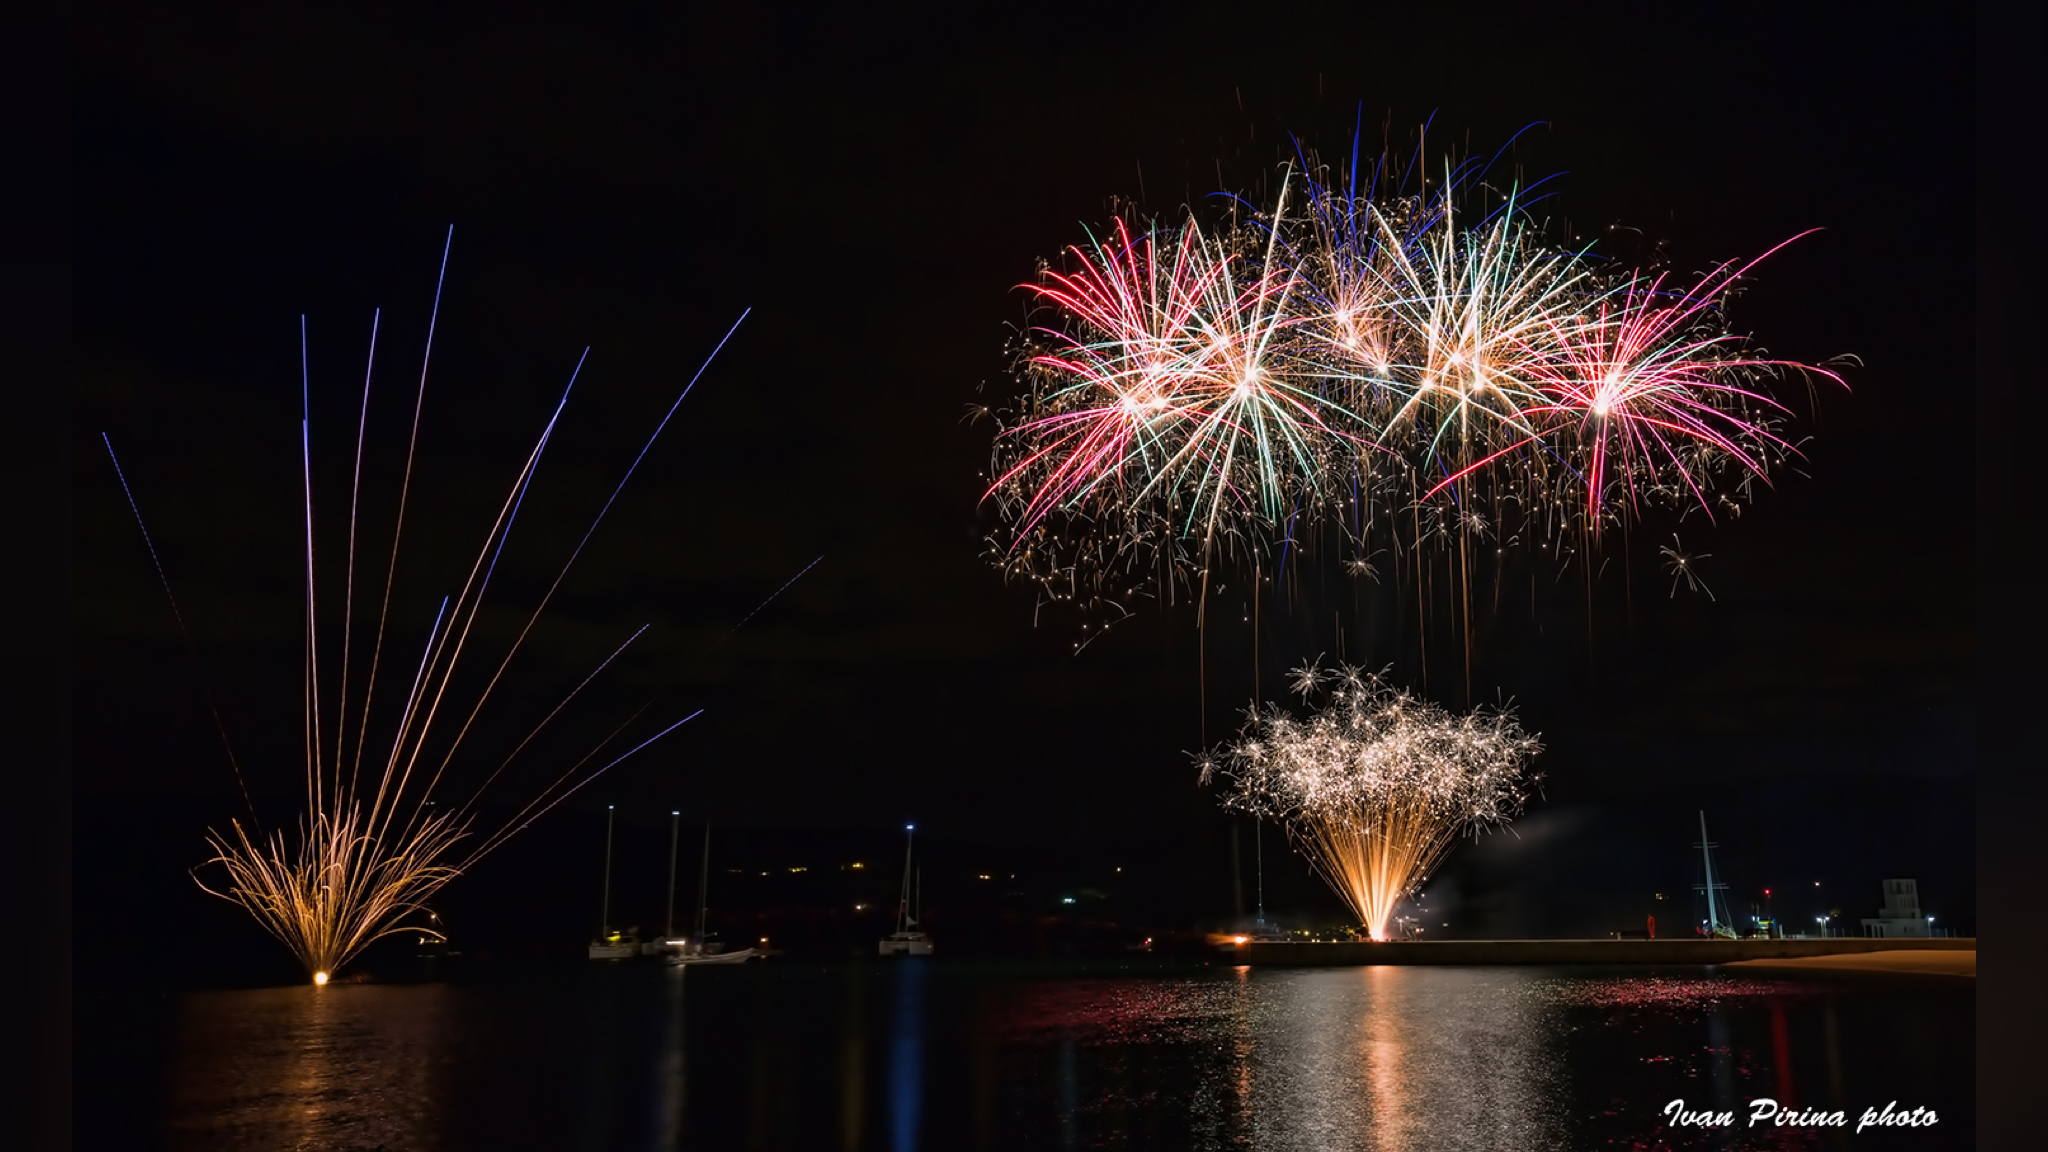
(739, 957)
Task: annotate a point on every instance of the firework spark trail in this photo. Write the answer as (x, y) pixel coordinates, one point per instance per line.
(479, 579)
(183, 632)
(545, 720)
(354, 498)
(1376, 786)
(588, 532)
(523, 823)
(765, 603)
(356, 871)
(404, 494)
(521, 820)
(313, 748)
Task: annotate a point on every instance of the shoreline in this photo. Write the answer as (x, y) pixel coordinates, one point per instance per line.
(1681, 951)
(1953, 964)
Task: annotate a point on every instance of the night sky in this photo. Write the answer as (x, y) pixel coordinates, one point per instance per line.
(874, 189)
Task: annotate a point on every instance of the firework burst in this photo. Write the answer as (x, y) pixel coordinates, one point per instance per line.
(1228, 389)
(1169, 417)
(1375, 786)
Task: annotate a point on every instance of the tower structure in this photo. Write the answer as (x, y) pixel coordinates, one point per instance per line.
(1900, 915)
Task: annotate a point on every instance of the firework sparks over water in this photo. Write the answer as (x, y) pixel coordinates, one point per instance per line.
(1416, 372)
(1376, 785)
(375, 841)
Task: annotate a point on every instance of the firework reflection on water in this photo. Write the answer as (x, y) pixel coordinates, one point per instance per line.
(962, 1056)
(313, 1067)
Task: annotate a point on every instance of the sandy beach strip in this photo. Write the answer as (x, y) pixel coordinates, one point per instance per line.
(1917, 963)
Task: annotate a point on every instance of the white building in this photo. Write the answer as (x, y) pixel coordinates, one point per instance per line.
(1900, 915)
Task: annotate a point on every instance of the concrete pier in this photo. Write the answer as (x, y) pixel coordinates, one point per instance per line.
(1679, 951)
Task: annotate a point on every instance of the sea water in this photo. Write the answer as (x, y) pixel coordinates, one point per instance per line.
(927, 1054)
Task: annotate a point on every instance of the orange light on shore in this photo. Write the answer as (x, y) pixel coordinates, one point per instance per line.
(319, 978)
(1239, 939)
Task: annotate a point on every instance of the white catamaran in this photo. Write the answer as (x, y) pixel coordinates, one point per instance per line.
(907, 940)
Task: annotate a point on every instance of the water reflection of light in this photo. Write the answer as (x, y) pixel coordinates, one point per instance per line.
(906, 1058)
(987, 1041)
(1781, 1053)
(853, 1046)
(1241, 1046)
(1070, 1092)
(1832, 1040)
(671, 1092)
(308, 1067)
(1360, 1058)
(1399, 1057)
(1387, 1065)
(1721, 1059)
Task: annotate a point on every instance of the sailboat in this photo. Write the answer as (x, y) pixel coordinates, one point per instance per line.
(701, 949)
(611, 945)
(669, 942)
(907, 940)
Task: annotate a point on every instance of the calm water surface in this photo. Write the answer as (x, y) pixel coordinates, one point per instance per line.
(922, 1055)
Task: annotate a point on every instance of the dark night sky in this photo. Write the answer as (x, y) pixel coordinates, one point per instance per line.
(874, 188)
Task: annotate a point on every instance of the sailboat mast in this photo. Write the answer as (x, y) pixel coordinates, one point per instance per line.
(1707, 858)
(703, 881)
(675, 827)
(608, 814)
(903, 907)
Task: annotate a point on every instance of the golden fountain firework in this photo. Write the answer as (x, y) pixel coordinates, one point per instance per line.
(374, 843)
(1376, 786)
